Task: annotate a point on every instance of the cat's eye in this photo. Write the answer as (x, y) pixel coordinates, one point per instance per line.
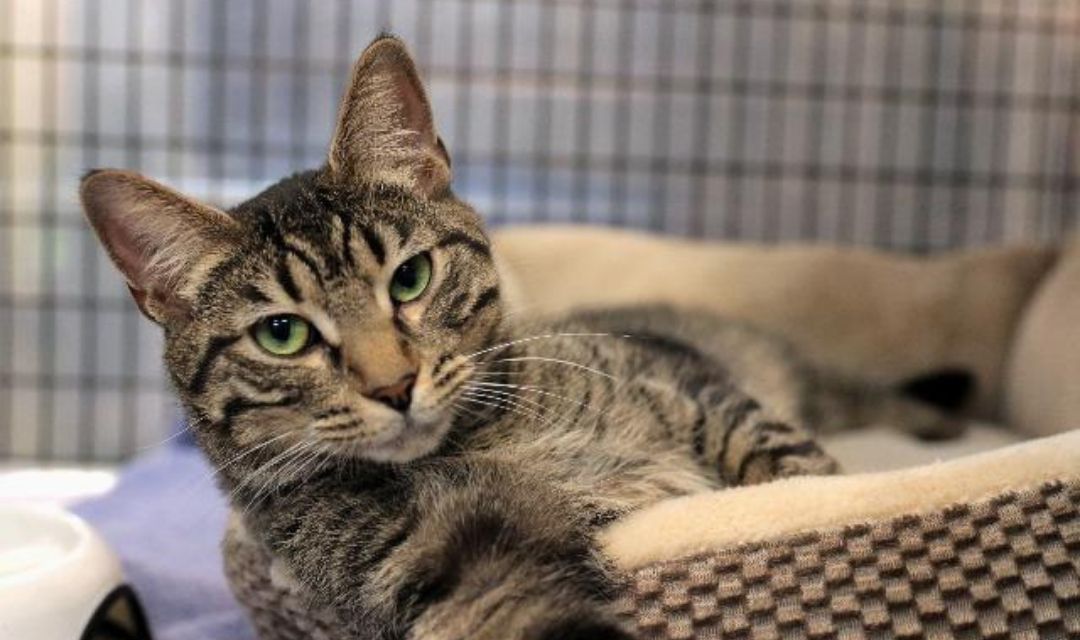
(411, 278)
(283, 335)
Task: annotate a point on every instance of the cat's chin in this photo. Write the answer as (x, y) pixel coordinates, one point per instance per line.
(414, 440)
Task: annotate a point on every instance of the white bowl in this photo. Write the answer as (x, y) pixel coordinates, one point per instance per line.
(57, 576)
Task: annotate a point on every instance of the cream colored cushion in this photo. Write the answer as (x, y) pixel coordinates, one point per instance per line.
(682, 527)
(867, 313)
(1043, 379)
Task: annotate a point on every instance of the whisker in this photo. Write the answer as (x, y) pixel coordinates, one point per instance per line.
(509, 401)
(174, 436)
(270, 483)
(576, 365)
(510, 395)
(544, 336)
(249, 451)
(498, 404)
(257, 473)
(492, 373)
(536, 389)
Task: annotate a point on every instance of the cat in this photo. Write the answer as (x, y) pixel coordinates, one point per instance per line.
(423, 466)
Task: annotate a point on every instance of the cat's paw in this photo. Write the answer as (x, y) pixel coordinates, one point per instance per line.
(818, 463)
(803, 459)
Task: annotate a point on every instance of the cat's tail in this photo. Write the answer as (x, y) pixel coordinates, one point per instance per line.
(928, 406)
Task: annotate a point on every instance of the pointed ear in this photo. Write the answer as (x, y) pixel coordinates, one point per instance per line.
(385, 132)
(160, 240)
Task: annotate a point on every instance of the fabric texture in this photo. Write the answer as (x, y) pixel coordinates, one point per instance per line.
(1005, 567)
(164, 520)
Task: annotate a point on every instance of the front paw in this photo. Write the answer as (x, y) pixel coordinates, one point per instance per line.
(817, 463)
(785, 461)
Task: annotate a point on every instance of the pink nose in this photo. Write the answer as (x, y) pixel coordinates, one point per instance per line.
(397, 396)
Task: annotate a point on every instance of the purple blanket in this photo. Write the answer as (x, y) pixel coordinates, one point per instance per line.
(165, 519)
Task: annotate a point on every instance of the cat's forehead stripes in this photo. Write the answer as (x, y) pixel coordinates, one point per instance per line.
(463, 239)
(374, 244)
(285, 279)
(317, 262)
(254, 294)
(305, 277)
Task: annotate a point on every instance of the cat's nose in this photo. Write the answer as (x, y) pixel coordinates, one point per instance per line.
(397, 396)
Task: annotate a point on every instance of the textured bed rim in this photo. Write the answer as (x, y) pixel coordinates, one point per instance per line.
(699, 524)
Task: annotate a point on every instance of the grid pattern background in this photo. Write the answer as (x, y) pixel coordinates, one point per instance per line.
(915, 125)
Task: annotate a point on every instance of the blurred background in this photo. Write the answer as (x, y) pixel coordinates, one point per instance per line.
(912, 125)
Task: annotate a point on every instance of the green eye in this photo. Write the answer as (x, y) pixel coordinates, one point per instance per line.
(411, 278)
(283, 335)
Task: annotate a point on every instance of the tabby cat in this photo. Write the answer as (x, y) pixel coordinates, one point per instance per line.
(420, 464)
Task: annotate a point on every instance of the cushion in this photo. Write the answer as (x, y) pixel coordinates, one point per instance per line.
(1043, 382)
(870, 314)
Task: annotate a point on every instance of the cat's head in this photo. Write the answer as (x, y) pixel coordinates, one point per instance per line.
(336, 311)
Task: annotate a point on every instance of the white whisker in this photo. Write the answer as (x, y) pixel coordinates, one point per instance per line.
(498, 404)
(249, 451)
(510, 397)
(544, 336)
(576, 365)
(535, 389)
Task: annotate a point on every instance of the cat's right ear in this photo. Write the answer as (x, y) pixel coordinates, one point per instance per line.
(160, 239)
(385, 132)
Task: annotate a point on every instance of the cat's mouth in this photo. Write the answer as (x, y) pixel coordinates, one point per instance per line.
(403, 439)
(414, 439)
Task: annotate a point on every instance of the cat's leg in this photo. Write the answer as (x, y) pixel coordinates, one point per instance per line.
(467, 550)
(729, 430)
(748, 445)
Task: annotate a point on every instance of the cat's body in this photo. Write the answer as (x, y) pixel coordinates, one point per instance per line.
(422, 466)
(571, 425)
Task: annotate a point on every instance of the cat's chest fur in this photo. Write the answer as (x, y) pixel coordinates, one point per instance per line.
(598, 414)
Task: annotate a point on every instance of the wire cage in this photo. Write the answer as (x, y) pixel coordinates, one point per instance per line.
(916, 125)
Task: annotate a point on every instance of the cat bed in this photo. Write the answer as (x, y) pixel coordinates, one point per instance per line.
(983, 546)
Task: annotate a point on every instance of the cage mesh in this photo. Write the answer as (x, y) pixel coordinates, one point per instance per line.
(915, 125)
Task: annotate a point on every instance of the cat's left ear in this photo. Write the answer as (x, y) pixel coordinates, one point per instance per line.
(385, 131)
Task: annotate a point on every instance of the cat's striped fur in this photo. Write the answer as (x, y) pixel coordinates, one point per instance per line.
(472, 512)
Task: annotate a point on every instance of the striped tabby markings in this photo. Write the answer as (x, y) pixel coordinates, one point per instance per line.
(247, 397)
(486, 298)
(375, 245)
(214, 348)
(403, 227)
(285, 280)
(733, 417)
(343, 234)
(316, 263)
(462, 239)
(304, 276)
(253, 294)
